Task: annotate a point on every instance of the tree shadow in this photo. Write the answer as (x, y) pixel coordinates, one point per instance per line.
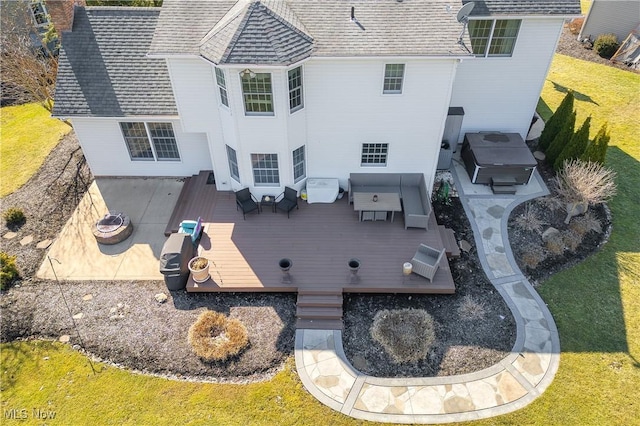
(577, 95)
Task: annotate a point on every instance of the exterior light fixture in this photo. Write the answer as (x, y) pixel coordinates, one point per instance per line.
(248, 72)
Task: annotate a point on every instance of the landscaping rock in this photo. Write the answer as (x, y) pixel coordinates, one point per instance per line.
(549, 233)
(87, 297)
(78, 316)
(64, 338)
(465, 246)
(160, 297)
(44, 244)
(539, 155)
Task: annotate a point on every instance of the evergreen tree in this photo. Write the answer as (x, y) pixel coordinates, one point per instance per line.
(597, 149)
(576, 146)
(562, 139)
(554, 125)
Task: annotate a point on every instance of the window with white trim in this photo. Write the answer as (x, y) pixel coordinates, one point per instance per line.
(222, 87)
(265, 169)
(299, 168)
(493, 37)
(374, 154)
(295, 89)
(39, 13)
(150, 141)
(233, 164)
(257, 93)
(393, 77)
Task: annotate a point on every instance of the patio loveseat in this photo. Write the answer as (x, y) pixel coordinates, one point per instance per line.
(411, 187)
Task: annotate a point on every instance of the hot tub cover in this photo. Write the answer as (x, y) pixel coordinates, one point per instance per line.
(322, 190)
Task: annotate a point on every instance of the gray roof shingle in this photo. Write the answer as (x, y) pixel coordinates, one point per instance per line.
(525, 7)
(103, 68)
(225, 31)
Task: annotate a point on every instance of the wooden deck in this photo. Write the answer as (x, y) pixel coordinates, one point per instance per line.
(318, 238)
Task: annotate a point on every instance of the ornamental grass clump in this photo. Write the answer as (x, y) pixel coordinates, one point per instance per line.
(214, 337)
(572, 239)
(585, 182)
(585, 224)
(405, 334)
(532, 255)
(530, 220)
(470, 309)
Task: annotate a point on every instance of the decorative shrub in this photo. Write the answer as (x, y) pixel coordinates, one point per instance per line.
(405, 334)
(471, 310)
(553, 126)
(585, 182)
(14, 216)
(576, 146)
(214, 337)
(596, 151)
(572, 239)
(532, 255)
(8, 270)
(555, 245)
(552, 203)
(530, 220)
(562, 139)
(576, 25)
(606, 45)
(585, 224)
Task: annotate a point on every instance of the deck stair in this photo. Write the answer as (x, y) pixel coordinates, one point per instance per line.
(449, 241)
(503, 185)
(319, 309)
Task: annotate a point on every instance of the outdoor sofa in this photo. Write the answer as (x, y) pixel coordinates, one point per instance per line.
(411, 187)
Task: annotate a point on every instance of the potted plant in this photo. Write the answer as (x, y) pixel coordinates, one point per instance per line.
(199, 268)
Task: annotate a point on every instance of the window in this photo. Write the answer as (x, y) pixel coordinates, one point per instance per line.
(256, 91)
(493, 38)
(374, 154)
(299, 169)
(233, 164)
(222, 87)
(295, 89)
(39, 13)
(265, 169)
(393, 76)
(150, 141)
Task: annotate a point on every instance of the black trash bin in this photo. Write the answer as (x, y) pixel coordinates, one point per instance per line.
(174, 260)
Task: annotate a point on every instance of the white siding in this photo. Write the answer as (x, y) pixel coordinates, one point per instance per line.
(502, 93)
(107, 155)
(611, 16)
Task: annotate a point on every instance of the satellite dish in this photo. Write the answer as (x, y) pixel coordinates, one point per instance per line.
(464, 12)
(463, 17)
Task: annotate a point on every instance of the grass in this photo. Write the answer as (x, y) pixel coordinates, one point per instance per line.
(596, 306)
(28, 135)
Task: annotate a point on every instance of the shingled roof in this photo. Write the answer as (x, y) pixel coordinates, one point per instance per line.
(525, 7)
(103, 69)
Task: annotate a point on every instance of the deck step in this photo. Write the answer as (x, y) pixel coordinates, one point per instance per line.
(319, 324)
(448, 237)
(503, 189)
(319, 312)
(333, 299)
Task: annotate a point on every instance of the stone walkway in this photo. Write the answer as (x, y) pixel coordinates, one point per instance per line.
(505, 387)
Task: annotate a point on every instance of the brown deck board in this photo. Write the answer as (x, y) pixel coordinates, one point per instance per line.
(318, 238)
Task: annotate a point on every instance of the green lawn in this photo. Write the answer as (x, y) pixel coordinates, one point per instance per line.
(28, 135)
(596, 306)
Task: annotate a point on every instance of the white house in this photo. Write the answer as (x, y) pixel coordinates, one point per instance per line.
(619, 17)
(269, 92)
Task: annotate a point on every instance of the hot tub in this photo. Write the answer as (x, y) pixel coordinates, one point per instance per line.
(496, 156)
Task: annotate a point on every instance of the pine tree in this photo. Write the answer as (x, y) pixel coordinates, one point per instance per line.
(597, 149)
(561, 140)
(554, 125)
(576, 146)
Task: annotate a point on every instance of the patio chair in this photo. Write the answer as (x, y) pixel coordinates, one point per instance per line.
(426, 261)
(246, 201)
(288, 201)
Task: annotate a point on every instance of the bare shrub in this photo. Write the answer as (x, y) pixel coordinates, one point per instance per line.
(552, 203)
(215, 337)
(584, 182)
(555, 244)
(576, 25)
(585, 224)
(470, 309)
(405, 334)
(532, 255)
(530, 220)
(571, 239)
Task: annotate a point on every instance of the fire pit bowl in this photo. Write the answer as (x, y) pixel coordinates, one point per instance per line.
(112, 228)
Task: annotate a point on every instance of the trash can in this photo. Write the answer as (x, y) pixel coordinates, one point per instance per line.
(174, 260)
(444, 158)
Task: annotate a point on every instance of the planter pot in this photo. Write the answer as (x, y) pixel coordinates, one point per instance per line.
(199, 268)
(354, 265)
(285, 264)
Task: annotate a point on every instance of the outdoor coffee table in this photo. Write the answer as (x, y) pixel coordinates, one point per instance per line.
(269, 201)
(387, 202)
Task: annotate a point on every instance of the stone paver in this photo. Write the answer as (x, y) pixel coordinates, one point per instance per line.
(507, 386)
(26, 240)
(10, 235)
